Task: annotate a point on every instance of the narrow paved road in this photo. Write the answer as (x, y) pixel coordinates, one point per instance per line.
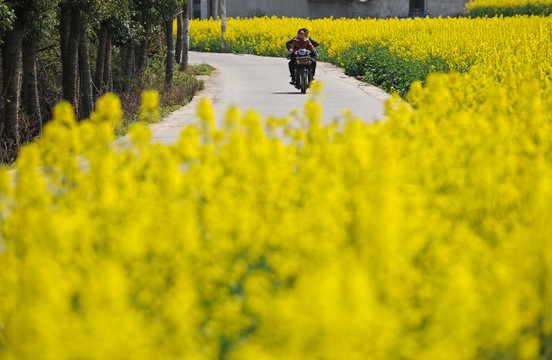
(262, 83)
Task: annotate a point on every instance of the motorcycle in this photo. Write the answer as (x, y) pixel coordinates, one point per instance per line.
(303, 70)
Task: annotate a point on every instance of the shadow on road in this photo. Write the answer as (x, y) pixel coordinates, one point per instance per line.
(288, 93)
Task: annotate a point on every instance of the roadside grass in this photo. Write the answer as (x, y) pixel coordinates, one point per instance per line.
(200, 69)
(185, 86)
(378, 65)
(4, 166)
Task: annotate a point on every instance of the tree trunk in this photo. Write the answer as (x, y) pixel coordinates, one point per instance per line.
(129, 66)
(179, 38)
(142, 55)
(110, 85)
(222, 4)
(123, 57)
(11, 81)
(31, 102)
(85, 77)
(137, 51)
(185, 43)
(107, 84)
(128, 61)
(169, 64)
(70, 67)
(64, 30)
(100, 61)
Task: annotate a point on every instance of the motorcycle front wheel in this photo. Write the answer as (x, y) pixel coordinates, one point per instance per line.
(304, 80)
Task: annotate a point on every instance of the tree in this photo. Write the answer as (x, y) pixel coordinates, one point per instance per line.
(102, 15)
(100, 60)
(169, 62)
(168, 11)
(179, 36)
(152, 13)
(145, 17)
(11, 83)
(222, 25)
(107, 82)
(39, 20)
(85, 76)
(22, 25)
(70, 32)
(185, 32)
(105, 26)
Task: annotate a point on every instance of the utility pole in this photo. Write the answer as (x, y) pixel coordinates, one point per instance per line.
(222, 9)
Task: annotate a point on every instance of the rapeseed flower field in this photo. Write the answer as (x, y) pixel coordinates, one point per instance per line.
(423, 236)
(509, 7)
(506, 3)
(393, 53)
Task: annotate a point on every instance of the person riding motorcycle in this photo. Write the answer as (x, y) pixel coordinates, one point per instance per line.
(302, 41)
(313, 42)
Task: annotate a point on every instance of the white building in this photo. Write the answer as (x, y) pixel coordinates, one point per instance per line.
(325, 8)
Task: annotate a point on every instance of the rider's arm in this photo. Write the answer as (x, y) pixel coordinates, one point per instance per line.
(313, 42)
(288, 44)
(314, 53)
(294, 46)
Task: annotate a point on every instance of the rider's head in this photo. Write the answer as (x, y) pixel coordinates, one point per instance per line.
(301, 34)
(305, 30)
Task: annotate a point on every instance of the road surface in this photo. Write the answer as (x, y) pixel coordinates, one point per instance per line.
(262, 83)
